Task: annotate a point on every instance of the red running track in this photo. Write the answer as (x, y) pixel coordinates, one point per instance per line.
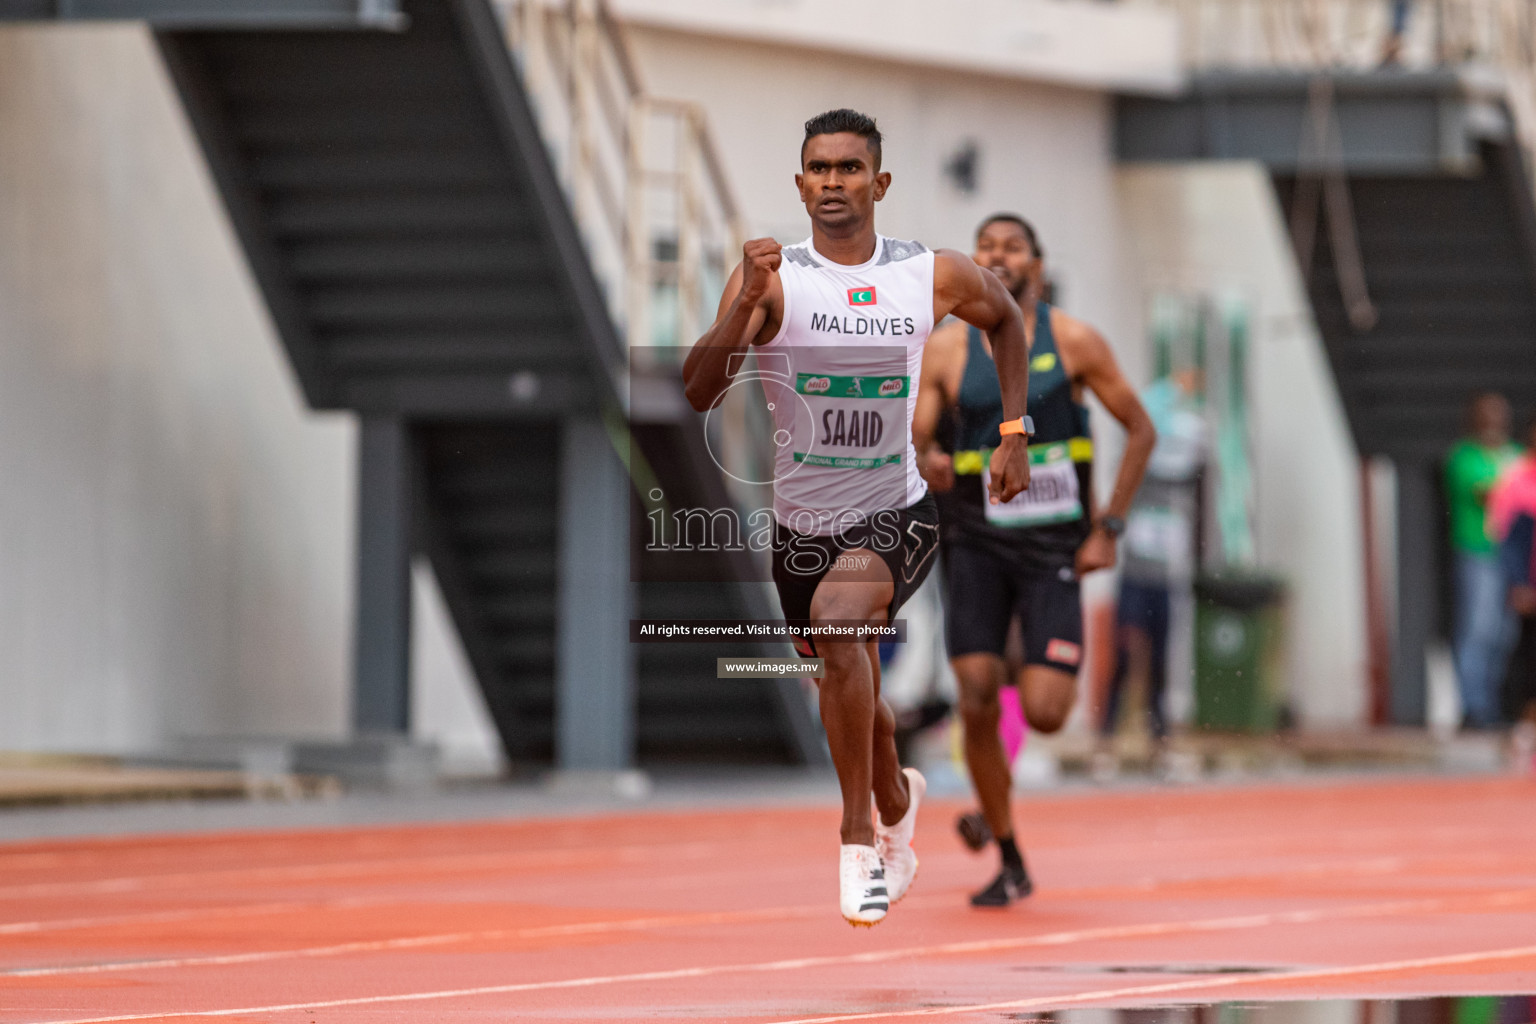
(1378, 888)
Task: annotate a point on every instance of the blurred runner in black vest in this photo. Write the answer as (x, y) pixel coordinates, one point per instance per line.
(1022, 558)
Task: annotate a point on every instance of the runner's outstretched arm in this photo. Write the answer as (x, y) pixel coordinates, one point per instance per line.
(944, 346)
(979, 298)
(1095, 368)
(753, 292)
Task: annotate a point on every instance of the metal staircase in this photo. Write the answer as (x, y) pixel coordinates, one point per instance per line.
(414, 249)
(433, 263)
(1449, 262)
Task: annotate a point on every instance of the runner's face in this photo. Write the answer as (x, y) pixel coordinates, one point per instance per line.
(1003, 248)
(839, 183)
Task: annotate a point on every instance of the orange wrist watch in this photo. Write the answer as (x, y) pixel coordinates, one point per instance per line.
(1022, 425)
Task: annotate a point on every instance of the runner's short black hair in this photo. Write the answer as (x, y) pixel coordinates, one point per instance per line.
(840, 120)
(1024, 225)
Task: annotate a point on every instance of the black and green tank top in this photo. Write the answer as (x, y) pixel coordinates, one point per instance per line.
(1047, 523)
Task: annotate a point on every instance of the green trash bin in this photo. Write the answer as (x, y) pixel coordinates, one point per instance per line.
(1239, 653)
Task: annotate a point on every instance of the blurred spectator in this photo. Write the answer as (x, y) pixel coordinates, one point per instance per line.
(1159, 547)
(1484, 626)
(1392, 46)
(1512, 520)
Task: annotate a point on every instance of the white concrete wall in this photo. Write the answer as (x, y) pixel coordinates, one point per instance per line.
(1045, 150)
(1083, 43)
(176, 527)
(446, 706)
(1217, 228)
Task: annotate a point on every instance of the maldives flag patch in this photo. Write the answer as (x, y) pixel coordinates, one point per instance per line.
(861, 296)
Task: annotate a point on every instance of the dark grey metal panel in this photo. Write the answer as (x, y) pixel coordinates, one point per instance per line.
(210, 122)
(222, 14)
(403, 240)
(382, 639)
(1401, 123)
(379, 353)
(1418, 588)
(515, 119)
(492, 532)
(595, 663)
(1508, 165)
(439, 536)
(441, 395)
(299, 217)
(1448, 261)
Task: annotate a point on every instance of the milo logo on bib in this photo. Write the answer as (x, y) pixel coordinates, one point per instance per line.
(815, 385)
(853, 387)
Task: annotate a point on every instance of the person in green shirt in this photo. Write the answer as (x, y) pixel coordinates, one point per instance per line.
(1484, 626)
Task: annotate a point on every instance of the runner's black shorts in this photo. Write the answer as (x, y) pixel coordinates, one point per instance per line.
(905, 539)
(984, 593)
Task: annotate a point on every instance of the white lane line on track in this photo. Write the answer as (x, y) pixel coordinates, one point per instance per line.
(453, 938)
(342, 869)
(438, 939)
(131, 883)
(190, 914)
(874, 956)
(1371, 865)
(1108, 995)
(783, 913)
(562, 855)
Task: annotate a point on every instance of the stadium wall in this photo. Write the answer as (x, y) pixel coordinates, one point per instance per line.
(176, 528)
(1216, 228)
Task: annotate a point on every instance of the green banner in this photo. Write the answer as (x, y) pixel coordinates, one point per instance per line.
(848, 461)
(1078, 449)
(851, 387)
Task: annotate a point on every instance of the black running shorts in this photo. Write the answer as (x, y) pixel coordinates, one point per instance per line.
(984, 593)
(905, 539)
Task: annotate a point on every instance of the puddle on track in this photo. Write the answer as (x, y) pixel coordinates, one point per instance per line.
(1519, 1009)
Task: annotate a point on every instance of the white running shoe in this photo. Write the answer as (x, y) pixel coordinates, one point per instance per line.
(894, 842)
(863, 898)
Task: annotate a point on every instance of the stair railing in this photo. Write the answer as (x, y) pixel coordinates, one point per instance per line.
(1358, 34)
(645, 180)
(1353, 33)
(650, 196)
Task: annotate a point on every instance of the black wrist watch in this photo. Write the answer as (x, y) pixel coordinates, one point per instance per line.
(1112, 525)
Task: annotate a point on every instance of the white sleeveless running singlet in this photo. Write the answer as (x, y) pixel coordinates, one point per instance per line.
(847, 359)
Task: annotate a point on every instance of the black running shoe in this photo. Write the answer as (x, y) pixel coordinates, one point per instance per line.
(1009, 885)
(974, 831)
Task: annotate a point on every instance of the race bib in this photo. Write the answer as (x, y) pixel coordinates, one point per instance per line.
(856, 422)
(1052, 495)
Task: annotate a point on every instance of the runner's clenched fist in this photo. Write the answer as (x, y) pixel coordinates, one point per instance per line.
(760, 260)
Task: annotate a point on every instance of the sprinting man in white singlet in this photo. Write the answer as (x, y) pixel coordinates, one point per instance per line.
(843, 317)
